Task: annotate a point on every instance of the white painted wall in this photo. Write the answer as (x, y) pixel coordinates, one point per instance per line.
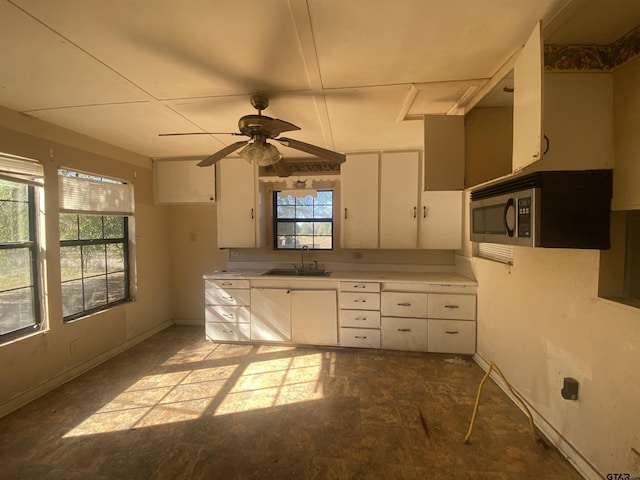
(33, 365)
(541, 319)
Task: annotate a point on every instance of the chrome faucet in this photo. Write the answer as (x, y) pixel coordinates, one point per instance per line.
(304, 247)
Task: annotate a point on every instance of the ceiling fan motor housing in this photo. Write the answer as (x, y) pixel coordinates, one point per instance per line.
(251, 125)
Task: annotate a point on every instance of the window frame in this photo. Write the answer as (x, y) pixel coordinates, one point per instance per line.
(276, 221)
(124, 241)
(84, 194)
(33, 246)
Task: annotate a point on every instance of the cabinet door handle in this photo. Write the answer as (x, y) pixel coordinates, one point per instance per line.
(404, 329)
(252, 214)
(451, 306)
(451, 332)
(404, 304)
(361, 337)
(345, 213)
(424, 212)
(415, 212)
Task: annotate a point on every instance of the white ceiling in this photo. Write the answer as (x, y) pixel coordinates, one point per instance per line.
(351, 73)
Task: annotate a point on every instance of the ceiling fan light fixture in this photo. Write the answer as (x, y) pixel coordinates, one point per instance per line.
(270, 156)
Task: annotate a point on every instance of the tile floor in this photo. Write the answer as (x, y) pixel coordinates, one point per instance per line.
(177, 407)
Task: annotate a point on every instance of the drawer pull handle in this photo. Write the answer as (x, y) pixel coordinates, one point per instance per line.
(404, 304)
(360, 318)
(360, 285)
(228, 315)
(404, 329)
(451, 332)
(451, 306)
(228, 297)
(227, 284)
(360, 300)
(230, 332)
(361, 337)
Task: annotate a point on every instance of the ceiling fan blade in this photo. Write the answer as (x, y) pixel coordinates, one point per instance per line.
(275, 127)
(198, 133)
(313, 150)
(210, 160)
(282, 168)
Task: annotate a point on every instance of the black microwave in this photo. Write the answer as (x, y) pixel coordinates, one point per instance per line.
(553, 209)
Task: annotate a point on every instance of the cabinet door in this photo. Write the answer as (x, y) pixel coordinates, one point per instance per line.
(399, 186)
(237, 205)
(441, 220)
(314, 317)
(270, 314)
(527, 102)
(182, 181)
(359, 197)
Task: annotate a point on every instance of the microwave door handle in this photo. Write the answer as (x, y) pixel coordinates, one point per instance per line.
(509, 203)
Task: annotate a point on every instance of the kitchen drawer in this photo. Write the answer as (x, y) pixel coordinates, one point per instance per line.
(360, 318)
(359, 287)
(404, 304)
(460, 307)
(451, 336)
(227, 296)
(360, 301)
(404, 334)
(360, 337)
(226, 283)
(230, 314)
(227, 332)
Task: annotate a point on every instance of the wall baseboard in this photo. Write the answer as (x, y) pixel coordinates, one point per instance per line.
(48, 385)
(573, 456)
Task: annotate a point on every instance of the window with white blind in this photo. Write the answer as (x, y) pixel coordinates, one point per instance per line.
(94, 242)
(496, 252)
(21, 181)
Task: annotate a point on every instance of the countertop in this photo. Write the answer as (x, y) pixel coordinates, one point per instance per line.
(441, 278)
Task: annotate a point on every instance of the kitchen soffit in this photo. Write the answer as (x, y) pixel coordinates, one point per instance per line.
(123, 72)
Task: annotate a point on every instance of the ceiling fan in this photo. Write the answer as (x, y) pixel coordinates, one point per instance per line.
(260, 128)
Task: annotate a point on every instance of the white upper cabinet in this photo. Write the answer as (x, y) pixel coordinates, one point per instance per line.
(239, 216)
(441, 220)
(527, 102)
(359, 201)
(399, 197)
(444, 150)
(182, 181)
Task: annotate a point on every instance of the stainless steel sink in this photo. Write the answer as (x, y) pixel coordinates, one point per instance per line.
(292, 272)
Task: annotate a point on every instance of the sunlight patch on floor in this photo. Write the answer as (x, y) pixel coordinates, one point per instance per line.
(178, 396)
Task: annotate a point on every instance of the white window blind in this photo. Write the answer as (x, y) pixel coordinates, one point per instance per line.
(20, 169)
(85, 195)
(497, 252)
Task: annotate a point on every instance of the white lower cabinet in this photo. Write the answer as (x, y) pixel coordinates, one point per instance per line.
(227, 317)
(451, 336)
(452, 325)
(404, 320)
(360, 337)
(270, 314)
(360, 314)
(314, 317)
(404, 334)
